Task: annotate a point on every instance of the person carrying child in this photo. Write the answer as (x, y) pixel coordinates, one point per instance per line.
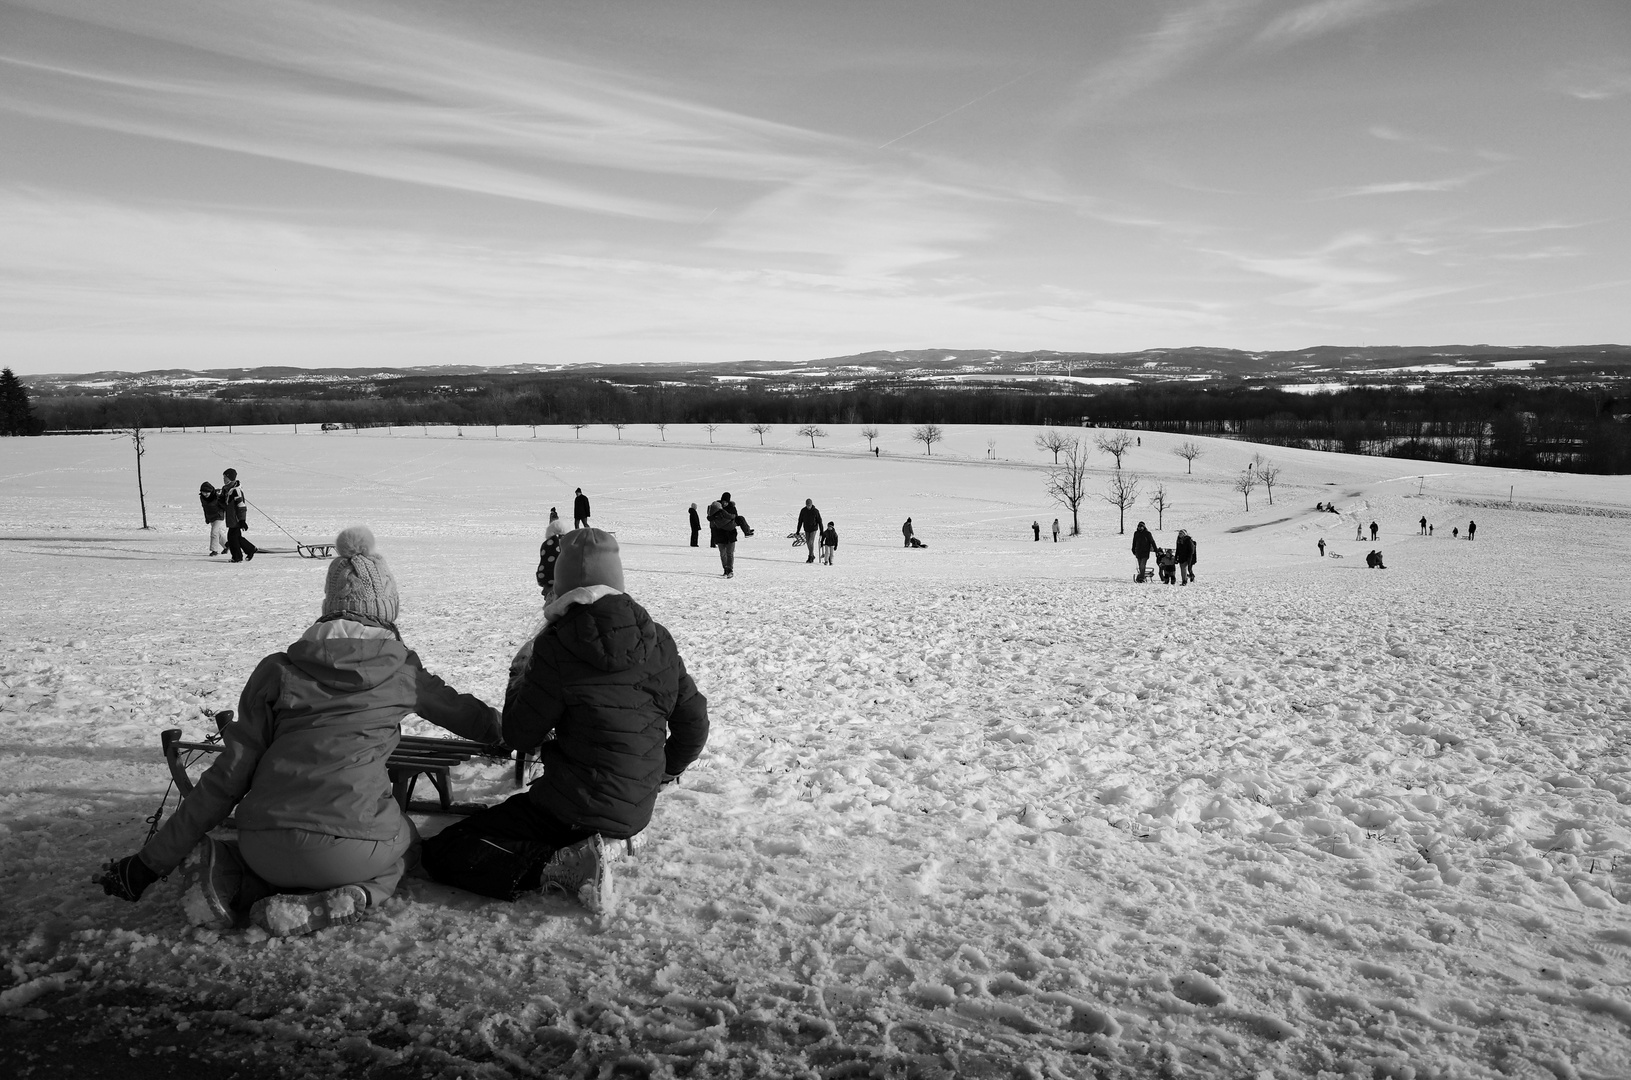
(303, 769)
(602, 691)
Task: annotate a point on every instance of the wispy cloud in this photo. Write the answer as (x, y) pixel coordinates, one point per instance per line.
(1595, 81)
(1404, 187)
(376, 96)
(1327, 16)
(1182, 38)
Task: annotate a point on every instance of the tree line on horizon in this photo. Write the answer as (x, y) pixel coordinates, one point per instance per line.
(1562, 427)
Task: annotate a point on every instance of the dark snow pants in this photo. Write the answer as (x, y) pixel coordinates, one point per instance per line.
(239, 546)
(500, 851)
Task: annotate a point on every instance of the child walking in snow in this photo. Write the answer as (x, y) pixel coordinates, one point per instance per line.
(829, 542)
(603, 692)
(320, 839)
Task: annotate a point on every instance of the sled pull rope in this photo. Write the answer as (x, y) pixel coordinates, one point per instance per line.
(274, 521)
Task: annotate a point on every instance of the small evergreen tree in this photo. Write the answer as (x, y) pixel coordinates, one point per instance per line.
(16, 414)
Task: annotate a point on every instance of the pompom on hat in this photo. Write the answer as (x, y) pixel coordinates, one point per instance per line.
(359, 582)
(588, 557)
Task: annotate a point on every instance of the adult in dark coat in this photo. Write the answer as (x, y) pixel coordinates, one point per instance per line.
(604, 696)
(696, 526)
(236, 508)
(214, 516)
(1036, 531)
(1143, 547)
(1472, 527)
(810, 524)
(1184, 550)
(580, 510)
(722, 522)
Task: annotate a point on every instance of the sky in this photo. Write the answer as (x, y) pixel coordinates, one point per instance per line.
(222, 184)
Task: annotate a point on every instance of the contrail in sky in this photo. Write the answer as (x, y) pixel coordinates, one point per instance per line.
(955, 111)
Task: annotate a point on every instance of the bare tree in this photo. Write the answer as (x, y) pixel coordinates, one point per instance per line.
(811, 432)
(1067, 482)
(139, 438)
(710, 429)
(1053, 440)
(577, 428)
(1268, 474)
(662, 429)
(1189, 452)
(870, 434)
(618, 426)
(1114, 445)
(1121, 491)
(1244, 484)
(1162, 503)
(760, 430)
(928, 435)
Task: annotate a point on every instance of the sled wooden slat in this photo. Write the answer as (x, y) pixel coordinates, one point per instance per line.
(314, 551)
(415, 756)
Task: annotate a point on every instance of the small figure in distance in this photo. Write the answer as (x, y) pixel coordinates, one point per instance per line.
(1036, 533)
(1374, 530)
(1423, 525)
(829, 542)
(1322, 547)
(1455, 533)
(906, 533)
(580, 509)
(1374, 560)
(1472, 527)
(696, 526)
(1056, 530)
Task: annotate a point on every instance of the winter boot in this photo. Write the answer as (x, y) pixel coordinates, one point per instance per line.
(211, 879)
(286, 915)
(583, 872)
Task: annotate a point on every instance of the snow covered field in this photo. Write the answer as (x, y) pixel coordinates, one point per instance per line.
(986, 809)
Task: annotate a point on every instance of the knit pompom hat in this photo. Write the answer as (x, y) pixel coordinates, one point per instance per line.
(359, 582)
(588, 557)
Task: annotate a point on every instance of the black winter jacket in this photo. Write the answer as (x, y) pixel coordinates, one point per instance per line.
(1143, 543)
(1186, 549)
(810, 520)
(722, 522)
(608, 683)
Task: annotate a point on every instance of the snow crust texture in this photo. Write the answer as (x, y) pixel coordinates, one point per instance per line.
(989, 809)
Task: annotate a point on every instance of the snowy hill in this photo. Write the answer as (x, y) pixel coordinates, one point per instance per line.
(985, 809)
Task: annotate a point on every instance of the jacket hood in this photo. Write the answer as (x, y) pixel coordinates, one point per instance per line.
(612, 633)
(348, 664)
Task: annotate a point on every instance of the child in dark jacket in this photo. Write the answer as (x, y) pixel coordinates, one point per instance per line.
(829, 542)
(602, 692)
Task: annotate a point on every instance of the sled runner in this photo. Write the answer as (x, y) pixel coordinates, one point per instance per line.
(314, 551)
(414, 756)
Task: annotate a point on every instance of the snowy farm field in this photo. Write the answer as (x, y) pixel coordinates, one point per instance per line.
(986, 809)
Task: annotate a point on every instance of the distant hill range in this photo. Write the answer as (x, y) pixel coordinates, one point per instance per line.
(1388, 365)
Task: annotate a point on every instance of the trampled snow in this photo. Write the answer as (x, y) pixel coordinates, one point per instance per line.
(984, 809)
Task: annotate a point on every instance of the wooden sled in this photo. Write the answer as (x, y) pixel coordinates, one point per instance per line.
(314, 551)
(414, 756)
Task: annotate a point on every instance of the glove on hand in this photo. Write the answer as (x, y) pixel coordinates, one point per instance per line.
(126, 878)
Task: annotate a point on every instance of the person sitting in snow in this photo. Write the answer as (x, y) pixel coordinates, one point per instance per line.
(320, 839)
(1374, 560)
(602, 691)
